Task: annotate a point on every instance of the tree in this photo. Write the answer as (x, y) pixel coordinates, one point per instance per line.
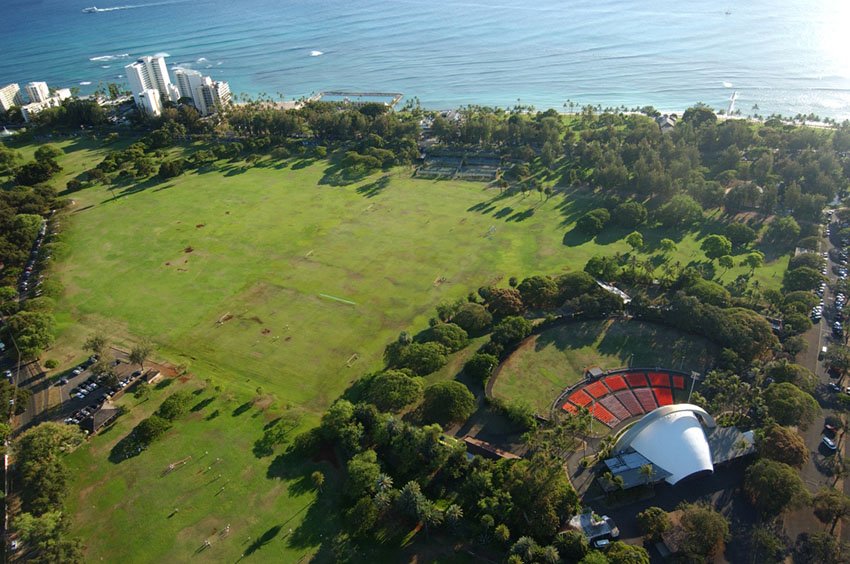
(448, 402)
(668, 245)
(172, 168)
(538, 292)
(740, 234)
(704, 530)
(393, 390)
(753, 260)
(511, 331)
(140, 353)
(318, 479)
(453, 515)
(789, 405)
(831, 506)
(773, 487)
(142, 392)
(504, 302)
(803, 278)
(593, 221)
(526, 548)
(680, 212)
(635, 241)
(621, 553)
(783, 231)
(363, 471)
(783, 444)
(423, 358)
(451, 336)
(96, 344)
(726, 262)
(699, 115)
(572, 545)
(653, 522)
(175, 405)
(630, 214)
(32, 331)
(39, 463)
(473, 318)
(480, 367)
(150, 429)
(35, 172)
(603, 268)
(716, 246)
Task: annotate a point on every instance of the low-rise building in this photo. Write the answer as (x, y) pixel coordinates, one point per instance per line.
(30, 110)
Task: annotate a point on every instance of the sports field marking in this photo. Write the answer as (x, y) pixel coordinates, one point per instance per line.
(349, 302)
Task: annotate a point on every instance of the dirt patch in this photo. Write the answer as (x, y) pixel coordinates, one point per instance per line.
(288, 338)
(227, 213)
(256, 320)
(184, 379)
(266, 331)
(168, 264)
(200, 225)
(263, 403)
(188, 249)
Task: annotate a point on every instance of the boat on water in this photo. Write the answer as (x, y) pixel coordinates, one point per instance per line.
(91, 10)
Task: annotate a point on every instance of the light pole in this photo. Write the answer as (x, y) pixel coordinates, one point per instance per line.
(694, 377)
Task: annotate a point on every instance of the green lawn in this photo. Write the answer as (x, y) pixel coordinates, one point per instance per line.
(125, 509)
(233, 273)
(557, 358)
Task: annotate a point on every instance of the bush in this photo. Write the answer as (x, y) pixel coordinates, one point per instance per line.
(448, 402)
(652, 522)
(51, 363)
(170, 169)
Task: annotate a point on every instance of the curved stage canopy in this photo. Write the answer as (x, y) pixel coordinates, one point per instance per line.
(672, 438)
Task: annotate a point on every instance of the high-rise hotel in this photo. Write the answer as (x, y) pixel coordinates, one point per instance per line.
(150, 84)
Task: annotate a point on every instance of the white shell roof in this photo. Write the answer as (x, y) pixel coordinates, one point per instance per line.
(675, 442)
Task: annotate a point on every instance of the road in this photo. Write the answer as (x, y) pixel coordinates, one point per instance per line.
(815, 473)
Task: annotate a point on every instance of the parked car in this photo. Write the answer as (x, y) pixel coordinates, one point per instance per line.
(77, 371)
(830, 444)
(833, 387)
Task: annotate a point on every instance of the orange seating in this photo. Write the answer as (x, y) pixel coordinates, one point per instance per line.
(615, 383)
(596, 389)
(659, 379)
(679, 382)
(663, 395)
(603, 415)
(646, 399)
(580, 397)
(637, 380)
(569, 408)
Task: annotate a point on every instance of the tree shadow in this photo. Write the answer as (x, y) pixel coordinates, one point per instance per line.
(576, 237)
(164, 383)
(242, 409)
(571, 335)
(263, 540)
(125, 449)
(372, 189)
(201, 405)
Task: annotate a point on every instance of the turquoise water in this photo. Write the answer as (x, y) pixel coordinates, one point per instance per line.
(787, 56)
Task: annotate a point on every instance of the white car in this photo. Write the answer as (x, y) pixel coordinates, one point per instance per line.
(77, 371)
(830, 444)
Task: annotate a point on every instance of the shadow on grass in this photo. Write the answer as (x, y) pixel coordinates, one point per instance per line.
(164, 383)
(263, 540)
(125, 449)
(372, 189)
(242, 409)
(201, 405)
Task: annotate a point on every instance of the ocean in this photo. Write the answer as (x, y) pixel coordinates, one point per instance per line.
(781, 56)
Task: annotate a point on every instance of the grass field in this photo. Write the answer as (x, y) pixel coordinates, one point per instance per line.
(557, 358)
(243, 275)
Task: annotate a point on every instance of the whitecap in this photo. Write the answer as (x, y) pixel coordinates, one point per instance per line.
(202, 60)
(105, 66)
(105, 58)
(218, 63)
(162, 55)
(316, 53)
(85, 83)
(727, 84)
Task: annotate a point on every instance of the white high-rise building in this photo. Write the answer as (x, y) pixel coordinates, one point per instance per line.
(37, 91)
(150, 102)
(150, 73)
(207, 94)
(10, 95)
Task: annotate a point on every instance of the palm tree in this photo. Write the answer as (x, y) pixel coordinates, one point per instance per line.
(383, 482)
(647, 473)
(453, 515)
(318, 480)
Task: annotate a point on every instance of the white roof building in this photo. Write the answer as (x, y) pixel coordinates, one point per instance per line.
(29, 110)
(150, 73)
(679, 441)
(206, 94)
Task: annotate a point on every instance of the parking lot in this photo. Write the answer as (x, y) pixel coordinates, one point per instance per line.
(82, 392)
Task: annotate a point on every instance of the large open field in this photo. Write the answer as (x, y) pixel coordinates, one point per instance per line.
(240, 274)
(547, 363)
